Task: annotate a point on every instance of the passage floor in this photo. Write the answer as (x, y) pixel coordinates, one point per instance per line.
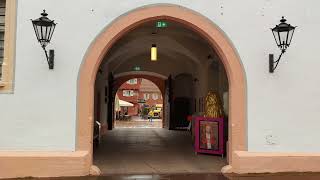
(152, 151)
(138, 122)
(281, 176)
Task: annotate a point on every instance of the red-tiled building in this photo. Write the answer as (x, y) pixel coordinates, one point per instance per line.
(139, 90)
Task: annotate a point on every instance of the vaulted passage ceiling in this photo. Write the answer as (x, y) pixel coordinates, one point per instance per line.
(180, 50)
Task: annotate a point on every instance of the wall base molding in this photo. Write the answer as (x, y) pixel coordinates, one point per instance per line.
(64, 164)
(44, 164)
(272, 162)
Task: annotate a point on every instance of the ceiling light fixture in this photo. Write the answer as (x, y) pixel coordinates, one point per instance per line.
(154, 52)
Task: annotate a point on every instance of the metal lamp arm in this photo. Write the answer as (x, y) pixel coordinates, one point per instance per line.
(274, 64)
(45, 51)
(277, 61)
(50, 57)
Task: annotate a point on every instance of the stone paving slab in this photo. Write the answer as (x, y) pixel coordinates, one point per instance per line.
(137, 122)
(152, 151)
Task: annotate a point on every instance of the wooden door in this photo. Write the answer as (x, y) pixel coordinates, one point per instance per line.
(110, 102)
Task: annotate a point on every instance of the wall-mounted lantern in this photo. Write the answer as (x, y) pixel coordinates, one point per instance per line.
(283, 34)
(44, 28)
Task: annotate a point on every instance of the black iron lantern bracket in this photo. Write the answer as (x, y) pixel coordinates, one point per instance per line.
(282, 34)
(44, 28)
(274, 64)
(50, 57)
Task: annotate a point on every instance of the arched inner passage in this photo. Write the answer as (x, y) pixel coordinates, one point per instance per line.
(237, 138)
(188, 68)
(138, 104)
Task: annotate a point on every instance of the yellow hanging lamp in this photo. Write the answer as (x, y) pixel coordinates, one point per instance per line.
(154, 52)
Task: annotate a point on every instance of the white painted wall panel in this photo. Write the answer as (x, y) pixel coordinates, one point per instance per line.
(41, 114)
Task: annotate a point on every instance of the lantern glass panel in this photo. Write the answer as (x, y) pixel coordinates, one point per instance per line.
(51, 31)
(276, 37)
(39, 29)
(283, 39)
(290, 35)
(37, 34)
(45, 32)
(48, 33)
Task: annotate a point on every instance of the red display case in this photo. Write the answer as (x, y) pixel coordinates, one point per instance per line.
(209, 135)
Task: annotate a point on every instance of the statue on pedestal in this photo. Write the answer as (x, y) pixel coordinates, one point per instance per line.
(213, 107)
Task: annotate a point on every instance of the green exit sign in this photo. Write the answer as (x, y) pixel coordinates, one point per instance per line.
(137, 68)
(161, 24)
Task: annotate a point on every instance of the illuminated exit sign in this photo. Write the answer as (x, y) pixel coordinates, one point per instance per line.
(137, 68)
(161, 24)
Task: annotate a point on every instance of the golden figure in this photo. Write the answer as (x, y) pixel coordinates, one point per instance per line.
(213, 108)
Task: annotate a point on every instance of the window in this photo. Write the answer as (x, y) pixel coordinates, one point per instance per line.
(155, 96)
(146, 96)
(132, 81)
(7, 44)
(2, 31)
(128, 93)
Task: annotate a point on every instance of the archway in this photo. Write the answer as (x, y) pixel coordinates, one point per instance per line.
(158, 81)
(216, 38)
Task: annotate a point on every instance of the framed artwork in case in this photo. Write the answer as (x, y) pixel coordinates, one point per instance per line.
(209, 135)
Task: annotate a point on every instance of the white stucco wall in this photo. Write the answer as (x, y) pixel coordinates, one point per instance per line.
(41, 114)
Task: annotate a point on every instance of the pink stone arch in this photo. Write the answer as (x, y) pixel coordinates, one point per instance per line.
(200, 24)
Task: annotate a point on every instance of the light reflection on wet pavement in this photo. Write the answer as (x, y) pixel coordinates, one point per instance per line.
(281, 176)
(137, 122)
